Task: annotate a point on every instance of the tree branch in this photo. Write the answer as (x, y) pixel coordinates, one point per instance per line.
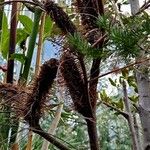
(122, 68)
(124, 114)
(49, 138)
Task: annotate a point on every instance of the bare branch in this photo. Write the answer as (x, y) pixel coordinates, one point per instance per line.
(119, 69)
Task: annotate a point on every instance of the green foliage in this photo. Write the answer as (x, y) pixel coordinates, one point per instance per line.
(104, 96)
(4, 38)
(104, 22)
(126, 40)
(21, 35)
(113, 129)
(119, 104)
(19, 57)
(134, 98)
(125, 73)
(48, 27)
(27, 23)
(32, 42)
(146, 23)
(82, 46)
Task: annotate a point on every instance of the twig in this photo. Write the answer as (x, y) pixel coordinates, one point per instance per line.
(119, 69)
(21, 1)
(48, 137)
(101, 39)
(144, 6)
(124, 114)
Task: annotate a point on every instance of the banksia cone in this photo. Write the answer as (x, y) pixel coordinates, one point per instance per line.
(40, 90)
(14, 96)
(60, 17)
(88, 14)
(75, 84)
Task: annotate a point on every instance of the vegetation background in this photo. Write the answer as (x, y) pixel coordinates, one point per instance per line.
(74, 75)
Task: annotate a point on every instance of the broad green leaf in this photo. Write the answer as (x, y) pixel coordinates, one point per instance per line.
(4, 41)
(26, 22)
(21, 35)
(5, 47)
(48, 26)
(19, 57)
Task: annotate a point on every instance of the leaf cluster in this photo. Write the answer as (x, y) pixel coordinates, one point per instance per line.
(23, 32)
(82, 46)
(126, 39)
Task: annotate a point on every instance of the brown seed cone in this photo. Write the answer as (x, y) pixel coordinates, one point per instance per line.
(40, 90)
(88, 14)
(14, 96)
(60, 17)
(75, 84)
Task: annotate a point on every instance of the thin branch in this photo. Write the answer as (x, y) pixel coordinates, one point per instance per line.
(30, 8)
(119, 69)
(146, 5)
(124, 114)
(49, 138)
(130, 117)
(101, 39)
(21, 1)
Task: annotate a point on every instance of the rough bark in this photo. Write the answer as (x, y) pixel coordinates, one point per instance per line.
(10, 64)
(143, 85)
(134, 6)
(93, 137)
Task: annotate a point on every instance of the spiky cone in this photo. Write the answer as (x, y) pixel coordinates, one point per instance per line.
(12, 95)
(40, 89)
(75, 84)
(88, 14)
(61, 19)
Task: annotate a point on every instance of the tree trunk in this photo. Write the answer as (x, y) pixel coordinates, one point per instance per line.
(93, 137)
(134, 6)
(143, 84)
(10, 66)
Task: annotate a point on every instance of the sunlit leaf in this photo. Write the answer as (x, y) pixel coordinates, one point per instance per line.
(26, 22)
(4, 43)
(21, 35)
(48, 26)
